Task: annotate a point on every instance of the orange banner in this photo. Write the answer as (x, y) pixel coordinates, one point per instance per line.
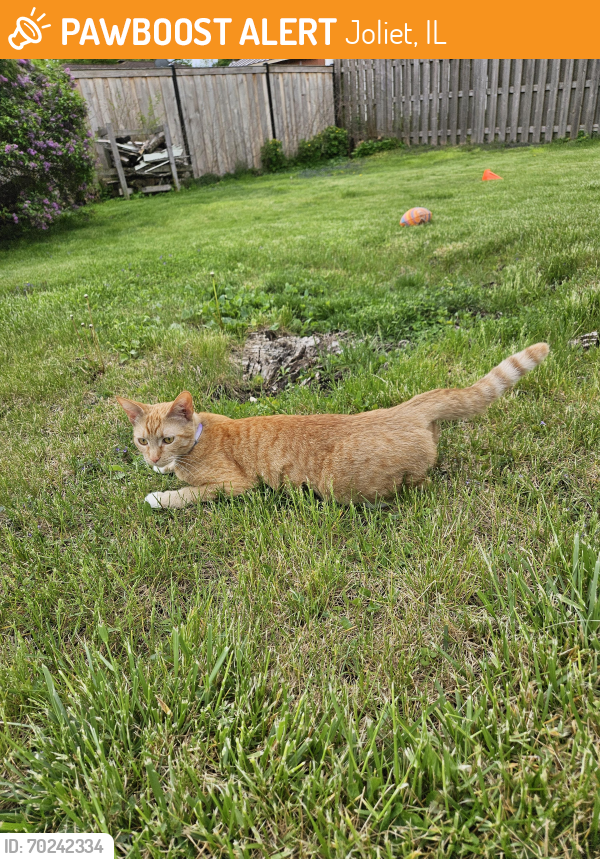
(110, 29)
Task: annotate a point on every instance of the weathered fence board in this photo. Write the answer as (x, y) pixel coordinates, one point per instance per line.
(455, 101)
(454, 77)
(225, 111)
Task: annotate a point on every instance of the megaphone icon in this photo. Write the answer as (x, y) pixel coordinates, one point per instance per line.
(27, 31)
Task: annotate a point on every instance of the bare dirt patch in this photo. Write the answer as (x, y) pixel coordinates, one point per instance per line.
(280, 359)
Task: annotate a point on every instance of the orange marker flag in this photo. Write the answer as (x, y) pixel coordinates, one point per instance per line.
(487, 174)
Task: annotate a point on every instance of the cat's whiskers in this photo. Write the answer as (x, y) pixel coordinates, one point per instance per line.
(185, 468)
(177, 460)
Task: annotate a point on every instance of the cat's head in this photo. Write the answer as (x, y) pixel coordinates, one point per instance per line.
(164, 431)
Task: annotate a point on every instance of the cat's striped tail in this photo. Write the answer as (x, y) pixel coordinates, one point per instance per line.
(460, 403)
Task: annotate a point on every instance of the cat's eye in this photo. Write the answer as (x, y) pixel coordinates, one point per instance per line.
(168, 439)
(142, 441)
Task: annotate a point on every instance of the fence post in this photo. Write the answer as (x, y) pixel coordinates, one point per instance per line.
(266, 65)
(117, 159)
(169, 145)
(335, 80)
(186, 146)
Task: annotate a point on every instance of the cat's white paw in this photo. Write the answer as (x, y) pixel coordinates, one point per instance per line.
(153, 500)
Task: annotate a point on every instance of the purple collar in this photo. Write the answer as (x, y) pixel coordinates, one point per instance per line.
(198, 434)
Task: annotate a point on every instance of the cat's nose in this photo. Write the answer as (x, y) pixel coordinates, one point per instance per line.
(155, 458)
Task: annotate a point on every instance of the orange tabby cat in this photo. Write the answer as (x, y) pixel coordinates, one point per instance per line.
(350, 457)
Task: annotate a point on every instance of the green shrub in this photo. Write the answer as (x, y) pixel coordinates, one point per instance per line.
(371, 147)
(309, 152)
(46, 165)
(272, 157)
(334, 142)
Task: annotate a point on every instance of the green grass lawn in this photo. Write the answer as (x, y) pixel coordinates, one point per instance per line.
(272, 675)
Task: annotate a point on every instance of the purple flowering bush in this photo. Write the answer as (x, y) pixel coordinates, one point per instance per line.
(46, 157)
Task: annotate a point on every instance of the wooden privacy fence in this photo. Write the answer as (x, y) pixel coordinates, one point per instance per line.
(455, 101)
(227, 113)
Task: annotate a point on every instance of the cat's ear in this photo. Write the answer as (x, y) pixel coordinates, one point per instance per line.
(133, 409)
(182, 407)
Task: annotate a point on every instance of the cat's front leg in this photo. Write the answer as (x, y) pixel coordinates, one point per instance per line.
(190, 494)
(174, 498)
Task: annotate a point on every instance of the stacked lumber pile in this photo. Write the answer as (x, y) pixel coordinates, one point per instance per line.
(140, 161)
